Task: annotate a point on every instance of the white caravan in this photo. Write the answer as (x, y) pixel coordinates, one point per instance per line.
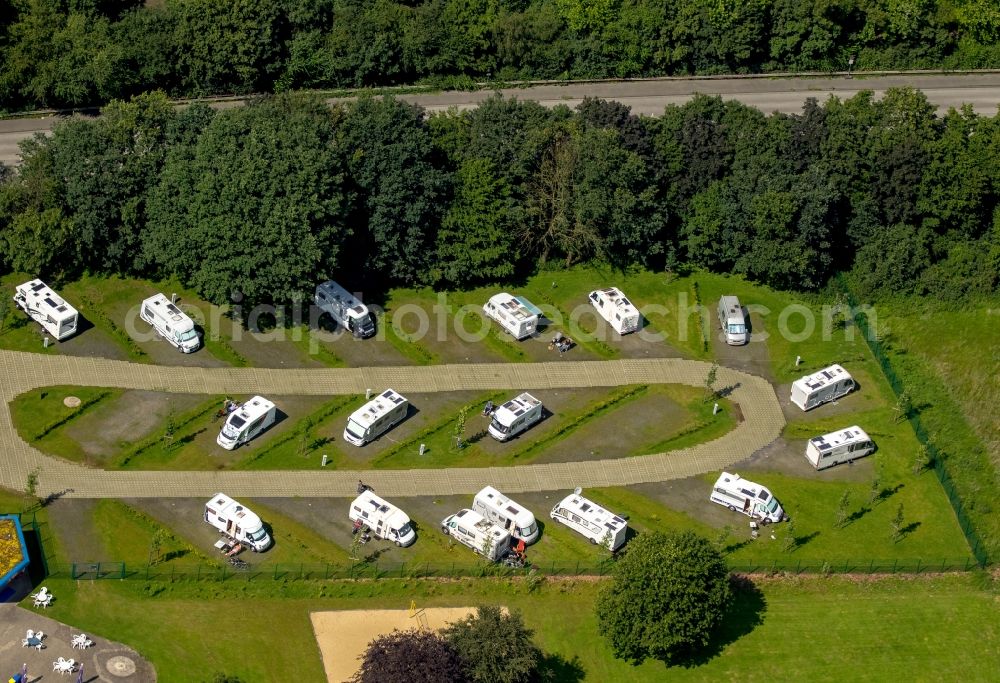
(753, 500)
(515, 314)
(731, 319)
(501, 510)
(375, 418)
(832, 449)
(473, 530)
(385, 520)
(590, 519)
(246, 422)
(170, 322)
(514, 416)
(825, 385)
(616, 309)
(237, 522)
(46, 308)
(345, 309)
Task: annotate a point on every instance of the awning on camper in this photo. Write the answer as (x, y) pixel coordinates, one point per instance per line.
(534, 310)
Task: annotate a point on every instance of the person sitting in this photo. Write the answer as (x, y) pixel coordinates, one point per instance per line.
(488, 408)
(362, 487)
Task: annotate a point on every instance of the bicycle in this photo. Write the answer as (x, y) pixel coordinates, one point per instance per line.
(237, 563)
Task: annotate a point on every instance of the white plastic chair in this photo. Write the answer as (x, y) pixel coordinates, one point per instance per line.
(70, 665)
(59, 665)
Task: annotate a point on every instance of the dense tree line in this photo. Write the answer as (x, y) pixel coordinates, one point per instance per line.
(269, 198)
(57, 53)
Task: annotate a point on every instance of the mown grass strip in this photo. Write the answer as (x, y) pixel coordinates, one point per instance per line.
(179, 423)
(314, 420)
(405, 344)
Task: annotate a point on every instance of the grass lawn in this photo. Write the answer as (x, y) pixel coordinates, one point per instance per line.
(949, 361)
(929, 628)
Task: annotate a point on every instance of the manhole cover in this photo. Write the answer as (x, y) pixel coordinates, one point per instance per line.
(120, 666)
(71, 402)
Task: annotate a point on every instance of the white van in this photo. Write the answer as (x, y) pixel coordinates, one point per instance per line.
(591, 520)
(473, 530)
(515, 314)
(170, 322)
(246, 422)
(237, 522)
(616, 309)
(375, 418)
(753, 500)
(514, 416)
(501, 510)
(731, 320)
(826, 385)
(846, 445)
(46, 308)
(385, 520)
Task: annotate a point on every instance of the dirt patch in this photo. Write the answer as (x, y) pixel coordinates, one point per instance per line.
(92, 342)
(752, 357)
(128, 419)
(343, 636)
(623, 431)
(71, 520)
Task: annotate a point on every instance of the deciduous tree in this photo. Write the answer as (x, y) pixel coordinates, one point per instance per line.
(668, 594)
(414, 656)
(495, 646)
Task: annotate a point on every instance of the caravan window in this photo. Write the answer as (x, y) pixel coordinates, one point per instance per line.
(526, 531)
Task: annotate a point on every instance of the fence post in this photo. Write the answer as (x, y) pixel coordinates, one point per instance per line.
(122, 575)
(72, 570)
(918, 566)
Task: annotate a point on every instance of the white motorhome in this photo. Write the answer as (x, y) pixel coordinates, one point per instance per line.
(246, 422)
(514, 416)
(515, 314)
(590, 519)
(845, 445)
(473, 530)
(501, 510)
(375, 418)
(616, 309)
(237, 522)
(46, 308)
(385, 520)
(734, 326)
(345, 309)
(170, 322)
(826, 385)
(753, 500)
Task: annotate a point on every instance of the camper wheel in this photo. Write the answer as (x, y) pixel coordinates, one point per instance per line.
(398, 544)
(732, 508)
(444, 530)
(593, 541)
(764, 521)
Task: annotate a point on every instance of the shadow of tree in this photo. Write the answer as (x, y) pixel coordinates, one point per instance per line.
(726, 391)
(908, 529)
(802, 540)
(745, 613)
(856, 515)
(554, 668)
(887, 493)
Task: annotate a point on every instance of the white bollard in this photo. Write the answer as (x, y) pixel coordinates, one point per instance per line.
(45, 343)
(423, 447)
(798, 361)
(715, 409)
(368, 394)
(324, 460)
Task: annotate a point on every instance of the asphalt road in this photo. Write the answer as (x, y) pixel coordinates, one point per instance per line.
(785, 95)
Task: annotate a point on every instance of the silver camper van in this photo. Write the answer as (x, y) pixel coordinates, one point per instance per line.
(732, 322)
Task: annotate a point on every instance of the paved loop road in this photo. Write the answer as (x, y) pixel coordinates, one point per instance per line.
(20, 372)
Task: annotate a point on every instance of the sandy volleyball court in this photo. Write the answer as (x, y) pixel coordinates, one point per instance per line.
(343, 635)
